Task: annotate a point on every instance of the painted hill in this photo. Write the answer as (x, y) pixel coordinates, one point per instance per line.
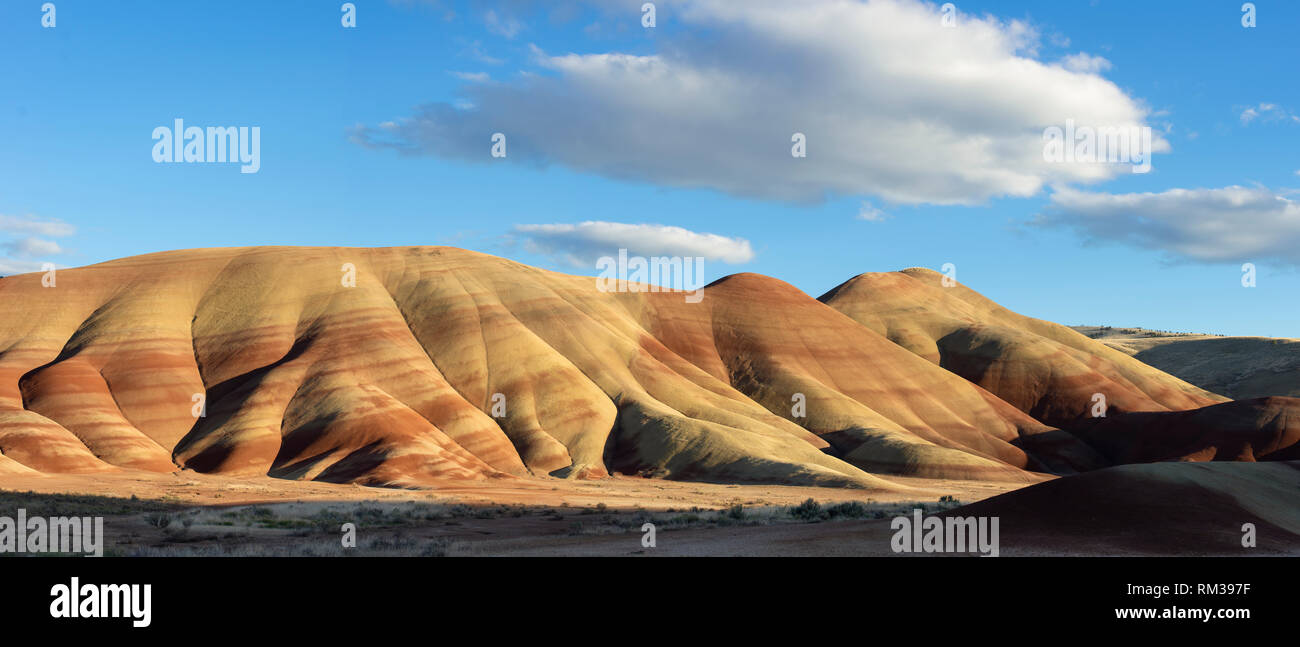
(1044, 369)
(1241, 430)
(1237, 367)
(439, 363)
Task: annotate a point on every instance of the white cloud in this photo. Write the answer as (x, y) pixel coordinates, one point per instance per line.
(472, 77)
(1233, 223)
(11, 266)
(31, 247)
(37, 226)
(893, 105)
(581, 244)
(1084, 63)
(1268, 113)
(28, 252)
(501, 24)
(870, 213)
(475, 51)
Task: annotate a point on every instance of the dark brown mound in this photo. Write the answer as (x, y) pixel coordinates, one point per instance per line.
(1160, 508)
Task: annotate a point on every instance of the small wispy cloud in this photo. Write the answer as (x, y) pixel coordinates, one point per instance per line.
(870, 213)
(472, 77)
(476, 52)
(502, 25)
(1266, 113)
(581, 244)
(1230, 224)
(31, 247)
(1085, 63)
(36, 226)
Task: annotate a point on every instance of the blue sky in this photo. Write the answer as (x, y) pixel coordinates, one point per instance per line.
(936, 131)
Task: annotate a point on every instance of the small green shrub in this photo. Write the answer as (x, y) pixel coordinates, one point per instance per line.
(158, 519)
(809, 510)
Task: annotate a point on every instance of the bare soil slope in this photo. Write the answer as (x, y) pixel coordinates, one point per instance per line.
(414, 366)
(1238, 367)
(295, 373)
(1044, 369)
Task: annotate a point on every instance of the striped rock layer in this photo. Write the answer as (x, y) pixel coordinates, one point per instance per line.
(408, 366)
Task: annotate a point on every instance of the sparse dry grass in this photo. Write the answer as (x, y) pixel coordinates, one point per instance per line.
(404, 528)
